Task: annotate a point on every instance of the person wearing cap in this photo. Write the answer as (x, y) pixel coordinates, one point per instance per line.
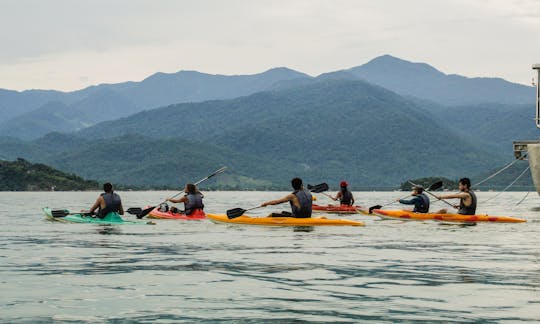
(107, 202)
(344, 196)
(419, 200)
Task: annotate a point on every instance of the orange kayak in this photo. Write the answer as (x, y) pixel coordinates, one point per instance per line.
(339, 209)
(283, 221)
(409, 215)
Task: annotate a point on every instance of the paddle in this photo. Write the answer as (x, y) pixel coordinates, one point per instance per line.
(237, 212)
(146, 211)
(64, 212)
(429, 193)
(320, 188)
(134, 210)
(433, 187)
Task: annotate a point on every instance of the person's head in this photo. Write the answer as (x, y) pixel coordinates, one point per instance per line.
(190, 188)
(464, 184)
(417, 190)
(107, 187)
(296, 183)
(343, 184)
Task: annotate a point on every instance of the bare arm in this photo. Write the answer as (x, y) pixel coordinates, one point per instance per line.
(289, 197)
(451, 196)
(179, 200)
(96, 205)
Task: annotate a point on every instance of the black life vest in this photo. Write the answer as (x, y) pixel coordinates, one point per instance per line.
(305, 200)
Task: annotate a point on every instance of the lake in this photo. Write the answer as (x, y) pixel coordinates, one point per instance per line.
(187, 271)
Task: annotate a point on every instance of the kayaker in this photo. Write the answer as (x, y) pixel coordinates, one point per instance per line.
(193, 200)
(107, 202)
(467, 198)
(344, 196)
(300, 200)
(419, 200)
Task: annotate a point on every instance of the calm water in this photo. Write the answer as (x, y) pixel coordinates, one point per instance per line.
(175, 271)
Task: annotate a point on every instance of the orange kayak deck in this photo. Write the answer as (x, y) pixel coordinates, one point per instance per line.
(282, 221)
(409, 215)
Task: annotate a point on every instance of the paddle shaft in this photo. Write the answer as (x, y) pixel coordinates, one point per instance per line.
(198, 182)
(429, 193)
(148, 210)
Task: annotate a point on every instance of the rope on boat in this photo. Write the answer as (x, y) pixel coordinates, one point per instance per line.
(528, 192)
(510, 185)
(496, 173)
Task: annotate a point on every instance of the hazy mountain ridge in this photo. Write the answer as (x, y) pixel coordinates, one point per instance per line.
(327, 130)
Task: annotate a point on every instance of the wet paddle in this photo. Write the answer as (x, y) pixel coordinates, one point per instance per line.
(146, 211)
(64, 212)
(433, 187)
(320, 188)
(237, 212)
(134, 210)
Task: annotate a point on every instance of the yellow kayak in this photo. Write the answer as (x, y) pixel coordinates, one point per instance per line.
(409, 215)
(282, 221)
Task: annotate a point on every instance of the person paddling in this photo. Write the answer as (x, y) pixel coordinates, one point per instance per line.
(300, 200)
(419, 200)
(344, 196)
(193, 200)
(107, 202)
(467, 198)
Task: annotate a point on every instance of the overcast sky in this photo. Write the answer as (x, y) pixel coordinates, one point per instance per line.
(68, 44)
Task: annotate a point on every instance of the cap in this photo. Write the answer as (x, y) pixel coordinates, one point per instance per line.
(343, 183)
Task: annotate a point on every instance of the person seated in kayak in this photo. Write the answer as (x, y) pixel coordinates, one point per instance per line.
(344, 196)
(107, 202)
(193, 200)
(300, 201)
(467, 198)
(419, 200)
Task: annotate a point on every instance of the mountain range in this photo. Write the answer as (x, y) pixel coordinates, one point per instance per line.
(376, 125)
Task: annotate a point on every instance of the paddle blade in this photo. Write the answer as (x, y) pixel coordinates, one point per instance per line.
(145, 212)
(60, 212)
(318, 188)
(435, 186)
(134, 211)
(235, 212)
(374, 207)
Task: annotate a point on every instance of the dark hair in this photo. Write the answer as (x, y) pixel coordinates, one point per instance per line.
(466, 182)
(107, 187)
(191, 188)
(296, 183)
(418, 189)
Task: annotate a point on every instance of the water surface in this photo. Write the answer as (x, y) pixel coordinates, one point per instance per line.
(394, 271)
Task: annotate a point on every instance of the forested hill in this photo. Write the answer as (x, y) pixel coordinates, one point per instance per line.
(323, 131)
(21, 175)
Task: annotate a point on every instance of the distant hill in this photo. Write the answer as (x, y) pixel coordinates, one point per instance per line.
(321, 131)
(21, 175)
(494, 126)
(424, 81)
(26, 114)
(22, 113)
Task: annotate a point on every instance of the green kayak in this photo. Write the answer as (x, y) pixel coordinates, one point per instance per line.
(63, 215)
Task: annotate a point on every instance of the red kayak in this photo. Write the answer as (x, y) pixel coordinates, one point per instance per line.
(196, 215)
(339, 209)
